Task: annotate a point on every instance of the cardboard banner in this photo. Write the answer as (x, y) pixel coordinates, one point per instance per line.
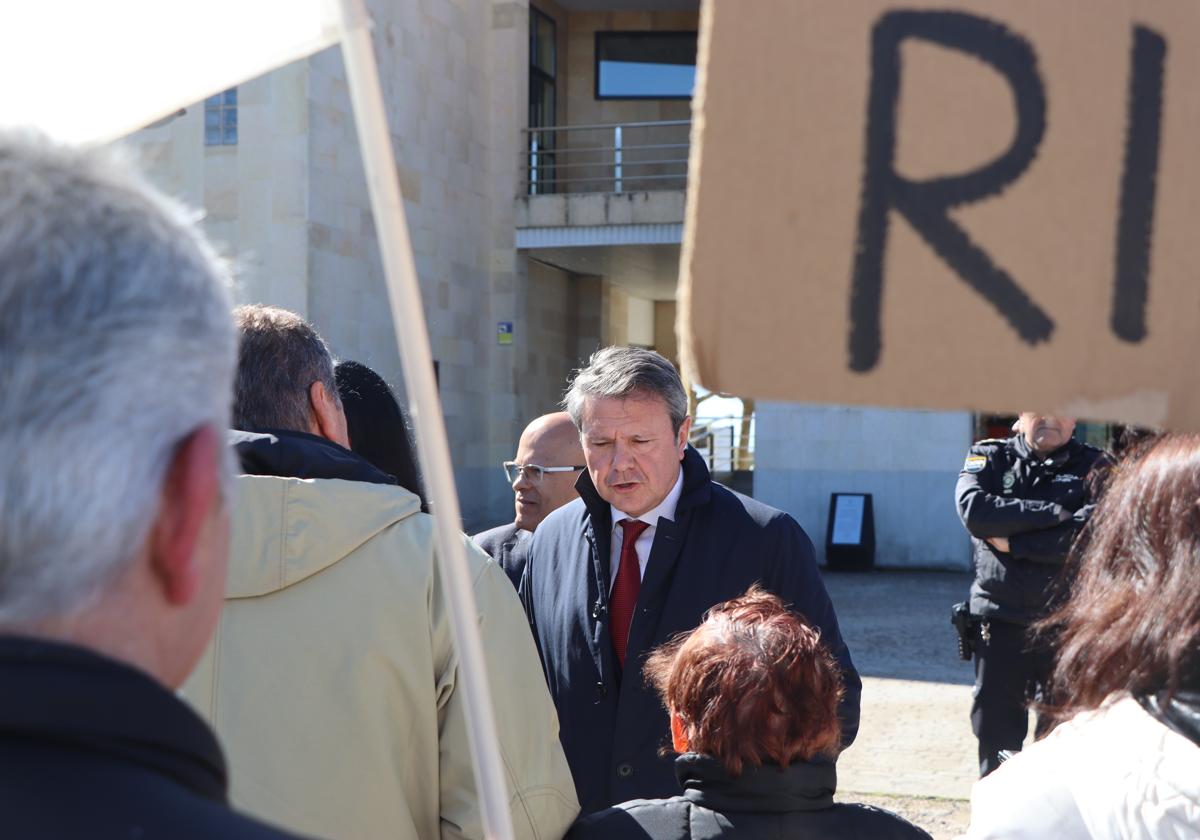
(991, 205)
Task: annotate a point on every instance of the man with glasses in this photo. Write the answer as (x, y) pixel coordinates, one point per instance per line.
(549, 460)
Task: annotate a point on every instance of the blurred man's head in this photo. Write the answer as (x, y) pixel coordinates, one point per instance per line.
(549, 458)
(118, 354)
(1044, 432)
(285, 378)
(631, 411)
(751, 684)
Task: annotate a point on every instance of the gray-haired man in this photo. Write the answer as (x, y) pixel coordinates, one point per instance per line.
(118, 355)
(651, 545)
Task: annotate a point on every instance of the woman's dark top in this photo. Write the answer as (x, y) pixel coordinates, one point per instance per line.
(796, 802)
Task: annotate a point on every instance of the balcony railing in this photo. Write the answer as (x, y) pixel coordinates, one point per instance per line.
(616, 158)
(725, 443)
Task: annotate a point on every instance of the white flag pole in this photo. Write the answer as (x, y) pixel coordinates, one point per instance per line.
(404, 294)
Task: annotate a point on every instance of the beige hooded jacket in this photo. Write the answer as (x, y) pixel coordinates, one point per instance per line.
(332, 679)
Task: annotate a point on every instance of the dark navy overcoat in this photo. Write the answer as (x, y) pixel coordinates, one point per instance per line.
(612, 725)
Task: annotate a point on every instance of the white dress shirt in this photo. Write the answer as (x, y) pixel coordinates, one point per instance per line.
(665, 509)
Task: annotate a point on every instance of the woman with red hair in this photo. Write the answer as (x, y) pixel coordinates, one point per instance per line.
(753, 699)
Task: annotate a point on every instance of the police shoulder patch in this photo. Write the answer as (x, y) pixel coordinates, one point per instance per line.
(975, 463)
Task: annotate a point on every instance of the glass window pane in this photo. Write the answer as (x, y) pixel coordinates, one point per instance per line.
(646, 64)
(547, 104)
(231, 96)
(230, 136)
(542, 47)
(541, 102)
(545, 58)
(212, 101)
(212, 118)
(212, 136)
(231, 117)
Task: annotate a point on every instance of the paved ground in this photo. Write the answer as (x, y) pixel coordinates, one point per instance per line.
(915, 753)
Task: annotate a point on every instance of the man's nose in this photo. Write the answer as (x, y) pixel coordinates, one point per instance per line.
(622, 456)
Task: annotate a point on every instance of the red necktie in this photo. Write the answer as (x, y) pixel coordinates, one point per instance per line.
(626, 587)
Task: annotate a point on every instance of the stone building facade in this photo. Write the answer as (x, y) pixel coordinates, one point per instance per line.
(288, 203)
(575, 245)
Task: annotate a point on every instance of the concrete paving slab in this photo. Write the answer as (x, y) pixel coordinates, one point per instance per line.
(915, 737)
(915, 753)
(914, 740)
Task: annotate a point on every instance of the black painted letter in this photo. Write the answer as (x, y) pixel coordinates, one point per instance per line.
(1135, 220)
(926, 204)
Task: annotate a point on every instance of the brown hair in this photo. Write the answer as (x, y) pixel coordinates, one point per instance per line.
(752, 683)
(1132, 622)
(280, 355)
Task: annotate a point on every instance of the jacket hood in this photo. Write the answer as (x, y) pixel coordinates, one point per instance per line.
(287, 528)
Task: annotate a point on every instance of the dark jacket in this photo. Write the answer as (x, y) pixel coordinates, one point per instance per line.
(508, 545)
(93, 748)
(288, 454)
(1038, 504)
(765, 801)
(719, 544)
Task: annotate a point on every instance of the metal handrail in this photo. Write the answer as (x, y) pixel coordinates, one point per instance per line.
(581, 149)
(669, 161)
(611, 168)
(682, 176)
(729, 443)
(531, 129)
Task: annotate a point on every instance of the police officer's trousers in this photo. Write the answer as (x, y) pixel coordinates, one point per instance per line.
(1009, 672)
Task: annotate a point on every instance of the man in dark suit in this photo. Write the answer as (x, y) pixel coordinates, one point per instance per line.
(650, 546)
(549, 459)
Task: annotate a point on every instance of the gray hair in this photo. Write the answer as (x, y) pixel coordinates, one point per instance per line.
(117, 344)
(279, 358)
(624, 372)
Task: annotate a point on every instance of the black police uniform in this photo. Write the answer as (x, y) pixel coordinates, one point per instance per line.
(1039, 505)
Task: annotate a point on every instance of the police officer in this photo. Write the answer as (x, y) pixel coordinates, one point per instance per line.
(1023, 500)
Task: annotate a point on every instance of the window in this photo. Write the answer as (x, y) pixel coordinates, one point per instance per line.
(645, 65)
(220, 119)
(543, 61)
(543, 67)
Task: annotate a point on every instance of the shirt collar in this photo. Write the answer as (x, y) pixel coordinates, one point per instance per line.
(665, 509)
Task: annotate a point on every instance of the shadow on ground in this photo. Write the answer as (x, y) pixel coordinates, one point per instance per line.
(897, 623)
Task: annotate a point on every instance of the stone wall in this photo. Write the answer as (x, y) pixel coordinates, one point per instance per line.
(289, 203)
(252, 194)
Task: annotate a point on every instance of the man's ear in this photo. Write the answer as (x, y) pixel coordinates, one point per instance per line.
(678, 739)
(191, 489)
(328, 414)
(684, 430)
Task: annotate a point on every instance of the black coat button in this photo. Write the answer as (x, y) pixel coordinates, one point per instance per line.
(624, 770)
(600, 689)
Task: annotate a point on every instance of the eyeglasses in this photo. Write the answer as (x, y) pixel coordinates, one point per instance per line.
(533, 472)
